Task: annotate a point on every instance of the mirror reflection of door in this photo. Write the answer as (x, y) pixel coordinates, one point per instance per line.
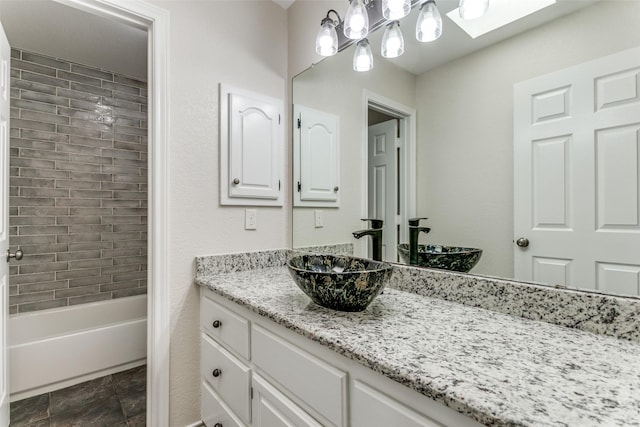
(383, 179)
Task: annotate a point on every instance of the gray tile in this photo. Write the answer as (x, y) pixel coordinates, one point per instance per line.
(78, 149)
(105, 412)
(76, 274)
(27, 171)
(81, 158)
(28, 230)
(90, 263)
(78, 95)
(78, 219)
(119, 186)
(30, 182)
(129, 292)
(91, 194)
(86, 246)
(91, 211)
(33, 106)
(21, 240)
(89, 298)
(31, 201)
(75, 166)
(31, 124)
(120, 269)
(70, 130)
(44, 305)
(46, 99)
(130, 97)
(74, 77)
(33, 86)
(121, 88)
(43, 286)
(79, 114)
(38, 78)
(123, 277)
(31, 163)
(31, 220)
(118, 286)
(131, 388)
(119, 228)
(29, 298)
(43, 267)
(132, 146)
(128, 105)
(43, 192)
(121, 203)
(88, 203)
(45, 60)
(78, 291)
(91, 88)
(92, 72)
(43, 249)
(75, 238)
(45, 136)
(26, 411)
(44, 117)
(139, 420)
(17, 142)
(130, 82)
(36, 68)
(92, 142)
(93, 280)
(32, 278)
(87, 185)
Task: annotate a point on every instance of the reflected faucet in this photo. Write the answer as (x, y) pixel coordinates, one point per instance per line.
(376, 237)
(414, 232)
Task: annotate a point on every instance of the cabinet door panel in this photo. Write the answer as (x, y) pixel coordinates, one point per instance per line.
(272, 409)
(212, 410)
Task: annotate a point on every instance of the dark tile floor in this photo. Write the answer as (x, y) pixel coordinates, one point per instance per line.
(117, 400)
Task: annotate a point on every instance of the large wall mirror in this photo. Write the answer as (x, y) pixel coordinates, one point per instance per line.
(451, 106)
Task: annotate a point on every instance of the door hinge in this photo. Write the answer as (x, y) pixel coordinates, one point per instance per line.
(299, 123)
(279, 119)
(251, 393)
(299, 187)
(279, 185)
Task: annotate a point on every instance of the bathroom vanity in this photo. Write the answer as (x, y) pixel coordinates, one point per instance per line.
(270, 357)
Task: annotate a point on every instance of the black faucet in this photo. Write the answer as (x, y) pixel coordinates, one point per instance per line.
(414, 232)
(376, 236)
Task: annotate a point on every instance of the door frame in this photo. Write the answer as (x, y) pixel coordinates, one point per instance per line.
(155, 20)
(407, 124)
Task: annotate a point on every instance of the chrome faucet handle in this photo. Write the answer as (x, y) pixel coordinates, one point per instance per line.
(375, 223)
(414, 222)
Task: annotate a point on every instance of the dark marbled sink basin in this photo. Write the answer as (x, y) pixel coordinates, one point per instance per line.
(454, 258)
(339, 282)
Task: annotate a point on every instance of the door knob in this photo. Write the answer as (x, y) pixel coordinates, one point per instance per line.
(523, 242)
(18, 255)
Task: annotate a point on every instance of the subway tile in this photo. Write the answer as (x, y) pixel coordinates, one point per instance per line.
(45, 136)
(13, 151)
(79, 114)
(110, 253)
(43, 192)
(121, 236)
(91, 88)
(14, 94)
(125, 121)
(15, 53)
(34, 125)
(32, 144)
(91, 106)
(13, 270)
(30, 230)
(90, 263)
(44, 249)
(44, 286)
(43, 154)
(73, 256)
(26, 308)
(130, 195)
(120, 220)
(137, 113)
(33, 297)
(87, 176)
(44, 98)
(32, 162)
(77, 291)
(25, 279)
(122, 228)
(33, 67)
(13, 309)
(75, 166)
(121, 88)
(122, 277)
(128, 105)
(13, 231)
(29, 258)
(44, 173)
(14, 73)
(79, 237)
(14, 191)
(130, 97)
(118, 244)
(13, 290)
(91, 194)
(130, 178)
(43, 267)
(14, 113)
(123, 154)
(81, 158)
(33, 106)
(74, 94)
(129, 292)
(45, 60)
(87, 246)
(93, 280)
(116, 286)
(130, 81)
(74, 77)
(78, 149)
(120, 203)
(78, 184)
(92, 72)
(129, 260)
(38, 78)
(30, 182)
(33, 86)
(90, 228)
(86, 203)
(77, 220)
(130, 162)
(129, 211)
(32, 220)
(123, 186)
(91, 211)
(71, 130)
(121, 137)
(91, 142)
(42, 211)
(44, 117)
(89, 298)
(120, 269)
(129, 146)
(75, 274)
(13, 210)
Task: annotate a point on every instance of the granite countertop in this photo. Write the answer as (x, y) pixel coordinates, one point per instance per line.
(498, 369)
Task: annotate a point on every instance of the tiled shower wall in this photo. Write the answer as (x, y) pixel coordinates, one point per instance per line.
(78, 166)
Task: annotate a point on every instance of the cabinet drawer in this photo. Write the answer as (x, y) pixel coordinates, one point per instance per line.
(370, 408)
(230, 329)
(227, 376)
(213, 412)
(316, 383)
(273, 409)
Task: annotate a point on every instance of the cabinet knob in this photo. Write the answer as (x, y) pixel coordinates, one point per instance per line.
(336, 188)
(216, 373)
(236, 181)
(216, 324)
(217, 425)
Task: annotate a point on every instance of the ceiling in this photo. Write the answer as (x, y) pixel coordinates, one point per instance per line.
(56, 30)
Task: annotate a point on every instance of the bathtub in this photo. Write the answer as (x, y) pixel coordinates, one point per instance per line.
(53, 349)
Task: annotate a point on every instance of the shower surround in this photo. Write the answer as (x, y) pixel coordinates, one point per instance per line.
(78, 183)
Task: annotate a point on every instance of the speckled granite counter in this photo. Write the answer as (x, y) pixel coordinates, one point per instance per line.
(496, 368)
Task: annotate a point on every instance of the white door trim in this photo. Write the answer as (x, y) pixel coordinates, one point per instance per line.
(156, 21)
(407, 116)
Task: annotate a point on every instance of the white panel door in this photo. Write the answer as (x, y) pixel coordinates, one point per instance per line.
(5, 55)
(316, 154)
(577, 175)
(251, 154)
(383, 183)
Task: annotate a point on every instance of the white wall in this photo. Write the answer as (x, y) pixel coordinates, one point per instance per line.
(465, 125)
(243, 43)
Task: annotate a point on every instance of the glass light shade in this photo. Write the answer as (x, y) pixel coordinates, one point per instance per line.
(472, 9)
(327, 38)
(429, 24)
(392, 41)
(395, 9)
(362, 57)
(356, 22)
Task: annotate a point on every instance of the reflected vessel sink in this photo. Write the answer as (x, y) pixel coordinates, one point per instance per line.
(339, 282)
(454, 258)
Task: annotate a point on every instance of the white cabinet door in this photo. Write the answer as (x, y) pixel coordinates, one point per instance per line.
(5, 55)
(576, 177)
(213, 411)
(316, 151)
(272, 409)
(251, 148)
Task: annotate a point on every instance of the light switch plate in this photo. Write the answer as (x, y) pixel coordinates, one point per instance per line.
(319, 218)
(250, 219)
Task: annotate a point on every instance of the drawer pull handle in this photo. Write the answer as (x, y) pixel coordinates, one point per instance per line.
(216, 373)
(216, 324)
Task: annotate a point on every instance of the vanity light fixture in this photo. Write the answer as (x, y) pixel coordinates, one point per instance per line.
(429, 24)
(472, 9)
(362, 57)
(327, 38)
(395, 9)
(392, 41)
(356, 22)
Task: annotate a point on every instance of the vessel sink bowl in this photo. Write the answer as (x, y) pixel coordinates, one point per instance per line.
(339, 282)
(454, 258)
